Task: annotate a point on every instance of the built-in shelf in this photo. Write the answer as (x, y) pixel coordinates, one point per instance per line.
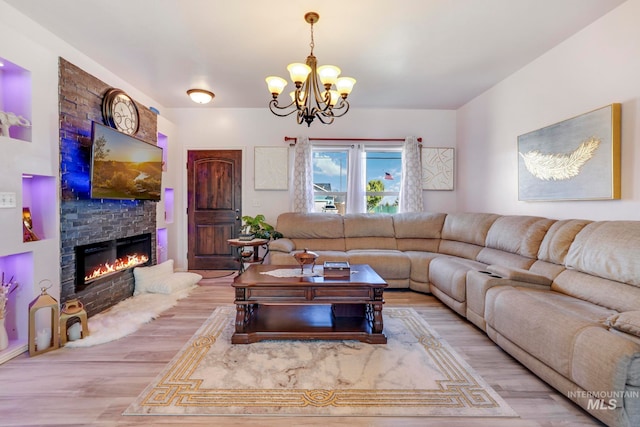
(163, 141)
(162, 241)
(15, 101)
(20, 267)
(168, 205)
(39, 203)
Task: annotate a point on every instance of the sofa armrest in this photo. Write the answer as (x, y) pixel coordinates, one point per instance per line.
(519, 275)
(282, 245)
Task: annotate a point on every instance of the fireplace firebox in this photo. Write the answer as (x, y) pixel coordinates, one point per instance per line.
(96, 262)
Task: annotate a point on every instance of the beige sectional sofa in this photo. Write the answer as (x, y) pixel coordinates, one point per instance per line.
(560, 296)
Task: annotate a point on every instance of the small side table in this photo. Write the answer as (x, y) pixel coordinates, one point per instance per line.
(239, 245)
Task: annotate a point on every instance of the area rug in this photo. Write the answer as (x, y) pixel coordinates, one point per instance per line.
(415, 374)
(126, 317)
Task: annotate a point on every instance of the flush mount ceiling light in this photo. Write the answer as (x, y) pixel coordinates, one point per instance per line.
(309, 100)
(200, 96)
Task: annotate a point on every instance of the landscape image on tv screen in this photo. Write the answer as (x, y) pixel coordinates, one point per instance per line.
(124, 167)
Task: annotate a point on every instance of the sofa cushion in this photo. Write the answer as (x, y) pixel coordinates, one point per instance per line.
(418, 225)
(608, 249)
(585, 310)
(628, 322)
(464, 234)
(468, 227)
(518, 234)
(449, 275)
(310, 225)
(558, 239)
(420, 262)
(389, 264)
(369, 231)
(536, 325)
(418, 231)
(596, 290)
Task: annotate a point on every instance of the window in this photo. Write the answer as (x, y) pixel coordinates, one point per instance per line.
(382, 168)
(330, 167)
(383, 171)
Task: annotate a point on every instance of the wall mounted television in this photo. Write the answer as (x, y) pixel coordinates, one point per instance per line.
(124, 167)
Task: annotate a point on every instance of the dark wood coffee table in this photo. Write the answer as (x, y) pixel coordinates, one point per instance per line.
(305, 308)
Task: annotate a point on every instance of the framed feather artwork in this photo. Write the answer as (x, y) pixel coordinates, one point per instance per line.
(576, 159)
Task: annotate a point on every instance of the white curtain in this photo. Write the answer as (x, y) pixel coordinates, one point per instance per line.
(356, 201)
(301, 179)
(411, 185)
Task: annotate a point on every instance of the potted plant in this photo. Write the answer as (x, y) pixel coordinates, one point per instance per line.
(256, 227)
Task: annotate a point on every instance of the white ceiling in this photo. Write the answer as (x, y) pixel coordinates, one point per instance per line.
(426, 54)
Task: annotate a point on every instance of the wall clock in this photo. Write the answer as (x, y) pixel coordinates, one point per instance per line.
(120, 112)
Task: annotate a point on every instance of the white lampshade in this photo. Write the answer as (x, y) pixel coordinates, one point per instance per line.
(298, 72)
(335, 97)
(328, 74)
(344, 85)
(200, 96)
(276, 84)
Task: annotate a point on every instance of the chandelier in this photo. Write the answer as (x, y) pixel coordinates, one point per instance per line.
(309, 100)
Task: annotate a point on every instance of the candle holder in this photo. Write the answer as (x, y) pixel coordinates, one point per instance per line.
(43, 301)
(72, 309)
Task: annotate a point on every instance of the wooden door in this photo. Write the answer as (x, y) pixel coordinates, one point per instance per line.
(214, 207)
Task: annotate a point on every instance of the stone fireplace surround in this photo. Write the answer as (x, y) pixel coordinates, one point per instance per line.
(84, 220)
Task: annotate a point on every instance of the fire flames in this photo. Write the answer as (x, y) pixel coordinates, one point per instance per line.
(119, 264)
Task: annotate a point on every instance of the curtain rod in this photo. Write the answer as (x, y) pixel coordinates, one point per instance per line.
(295, 139)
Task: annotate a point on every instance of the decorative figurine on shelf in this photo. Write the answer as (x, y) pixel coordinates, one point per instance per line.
(6, 288)
(8, 119)
(28, 235)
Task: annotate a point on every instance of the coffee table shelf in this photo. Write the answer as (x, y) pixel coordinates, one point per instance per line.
(302, 322)
(308, 308)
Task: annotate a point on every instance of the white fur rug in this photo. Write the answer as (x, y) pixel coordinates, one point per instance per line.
(127, 317)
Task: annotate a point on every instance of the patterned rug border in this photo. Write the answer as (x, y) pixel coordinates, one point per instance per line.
(463, 394)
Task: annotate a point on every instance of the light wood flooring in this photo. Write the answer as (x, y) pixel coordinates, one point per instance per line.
(93, 386)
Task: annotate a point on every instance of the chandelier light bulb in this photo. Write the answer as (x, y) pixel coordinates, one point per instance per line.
(328, 74)
(276, 84)
(298, 72)
(335, 97)
(344, 85)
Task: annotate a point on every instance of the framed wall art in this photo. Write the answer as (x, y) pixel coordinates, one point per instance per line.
(576, 159)
(271, 170)
(437, 168)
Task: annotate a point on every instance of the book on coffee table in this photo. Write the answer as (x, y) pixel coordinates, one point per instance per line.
(336, 269)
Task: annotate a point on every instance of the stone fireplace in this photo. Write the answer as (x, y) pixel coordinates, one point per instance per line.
(96, 225)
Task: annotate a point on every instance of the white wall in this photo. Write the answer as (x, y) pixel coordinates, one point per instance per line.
(244, 129)
(596, 67)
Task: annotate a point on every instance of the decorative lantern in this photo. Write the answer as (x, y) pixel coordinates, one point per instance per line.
(73, 309)
(46, 339)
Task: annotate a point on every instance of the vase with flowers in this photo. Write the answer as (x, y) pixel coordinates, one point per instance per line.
(6, 288)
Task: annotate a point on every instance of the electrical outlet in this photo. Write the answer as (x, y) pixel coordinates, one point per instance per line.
(7, 200)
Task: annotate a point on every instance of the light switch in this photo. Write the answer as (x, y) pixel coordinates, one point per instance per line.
(7, 200)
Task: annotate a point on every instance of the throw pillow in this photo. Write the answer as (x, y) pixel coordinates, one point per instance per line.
(145, 277)
(174, 282)
(628, 322)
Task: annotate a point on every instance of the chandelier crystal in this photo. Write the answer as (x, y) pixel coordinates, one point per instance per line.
(310, 100)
